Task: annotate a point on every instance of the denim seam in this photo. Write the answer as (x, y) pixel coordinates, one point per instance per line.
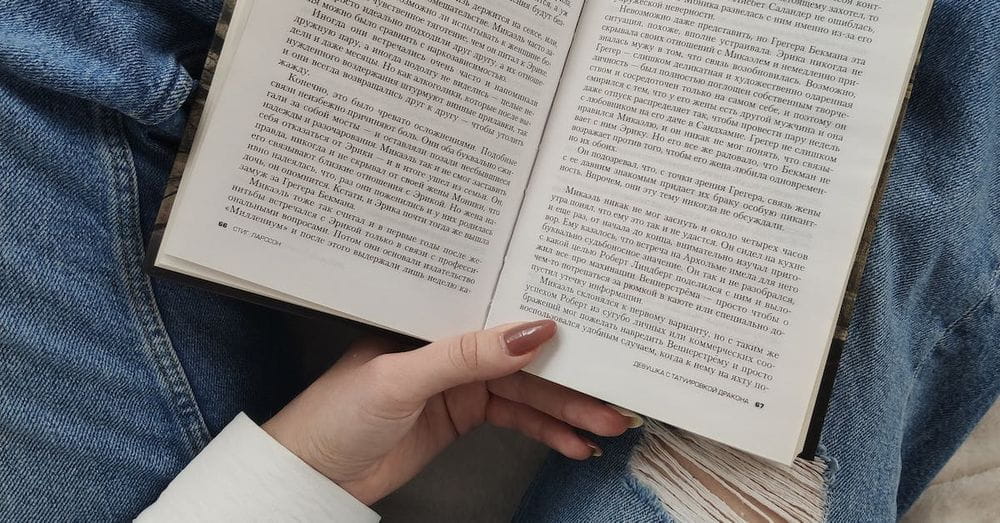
(169, 99)
(140, 293)
(165, 99)
(995, 280)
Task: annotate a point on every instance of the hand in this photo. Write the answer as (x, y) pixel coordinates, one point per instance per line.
(375, 419)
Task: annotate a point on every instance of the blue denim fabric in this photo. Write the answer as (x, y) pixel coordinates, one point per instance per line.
(922, 363)
(110, 383)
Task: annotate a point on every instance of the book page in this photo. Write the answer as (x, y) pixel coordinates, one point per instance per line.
(698, 199)
(369, 158)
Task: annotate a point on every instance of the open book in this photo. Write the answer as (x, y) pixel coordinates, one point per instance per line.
(683, 185)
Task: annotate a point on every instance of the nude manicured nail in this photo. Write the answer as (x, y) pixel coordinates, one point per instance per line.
(634, 420)
(526, 337)
(595, 451)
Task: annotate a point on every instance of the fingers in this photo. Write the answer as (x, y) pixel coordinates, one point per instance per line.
(570, 406)
(541, 427)
(419, 374)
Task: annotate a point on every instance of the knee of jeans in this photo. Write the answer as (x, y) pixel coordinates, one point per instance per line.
(697, 479)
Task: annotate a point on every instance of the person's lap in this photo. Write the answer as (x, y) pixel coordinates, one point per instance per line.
(110, 383)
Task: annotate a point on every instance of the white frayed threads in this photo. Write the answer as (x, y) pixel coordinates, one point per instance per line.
(700, 480)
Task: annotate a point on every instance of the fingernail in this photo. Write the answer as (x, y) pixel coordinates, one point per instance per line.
(595, 451)
(526, 337)
(634, 420)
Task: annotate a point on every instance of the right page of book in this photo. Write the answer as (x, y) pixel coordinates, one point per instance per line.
(698, 200)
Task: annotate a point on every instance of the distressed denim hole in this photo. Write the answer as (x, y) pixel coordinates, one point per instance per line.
(697, 479)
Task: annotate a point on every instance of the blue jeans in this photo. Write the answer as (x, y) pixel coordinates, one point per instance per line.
(110, 383)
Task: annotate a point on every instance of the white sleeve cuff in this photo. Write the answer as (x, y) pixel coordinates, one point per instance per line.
(246, 475)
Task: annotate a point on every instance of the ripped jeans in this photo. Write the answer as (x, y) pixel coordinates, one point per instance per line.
(110, 382)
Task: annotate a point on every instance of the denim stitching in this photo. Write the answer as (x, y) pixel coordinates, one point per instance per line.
(139, 290)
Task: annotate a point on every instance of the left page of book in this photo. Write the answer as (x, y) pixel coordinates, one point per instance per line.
(368, 159)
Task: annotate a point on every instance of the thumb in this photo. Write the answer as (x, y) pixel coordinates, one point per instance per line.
(477, 356)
